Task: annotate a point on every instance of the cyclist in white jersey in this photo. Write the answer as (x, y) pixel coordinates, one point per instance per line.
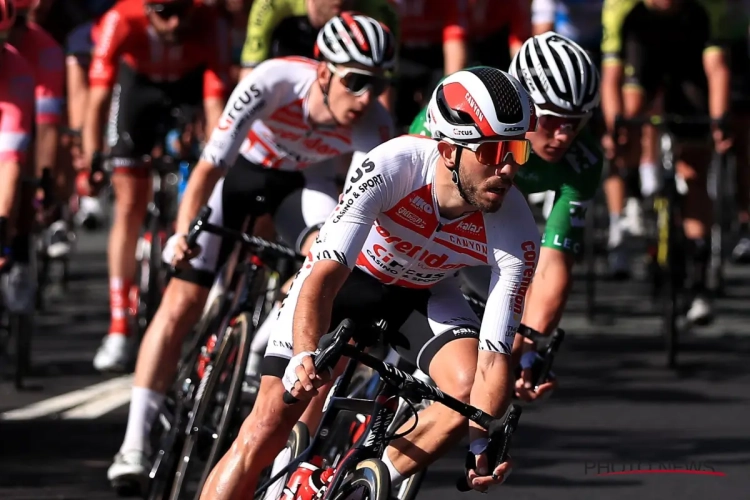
(415, 211)
(287, 115)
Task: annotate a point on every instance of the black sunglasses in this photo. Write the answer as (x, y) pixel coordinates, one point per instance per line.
(357, 81)
(170, 10)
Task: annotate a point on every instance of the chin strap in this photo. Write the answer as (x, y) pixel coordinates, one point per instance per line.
(455, 177)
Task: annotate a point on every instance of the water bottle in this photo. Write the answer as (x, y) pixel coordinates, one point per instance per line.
(184, 173)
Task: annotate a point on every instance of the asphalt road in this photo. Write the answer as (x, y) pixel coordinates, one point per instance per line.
(619, 409)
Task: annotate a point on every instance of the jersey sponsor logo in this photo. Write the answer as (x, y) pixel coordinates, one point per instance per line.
(578, 213)
(566, 243)
(466, 236)
(580, 157)
(474, 106)
(415, 213)
(342, 208)
(367, 167)
(399, 245)
(529, 264)
(238, 104)
(369, 183)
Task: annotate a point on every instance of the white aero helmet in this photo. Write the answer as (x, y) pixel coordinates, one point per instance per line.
(352, 37)
(557, 73)
(480, 103)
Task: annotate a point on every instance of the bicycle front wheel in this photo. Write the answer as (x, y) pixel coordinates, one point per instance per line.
(369, 481)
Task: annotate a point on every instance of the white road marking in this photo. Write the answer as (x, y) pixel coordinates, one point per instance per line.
(71, 399)
(99, 406)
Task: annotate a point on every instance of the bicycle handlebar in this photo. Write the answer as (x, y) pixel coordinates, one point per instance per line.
(200, 224)
(335, 344)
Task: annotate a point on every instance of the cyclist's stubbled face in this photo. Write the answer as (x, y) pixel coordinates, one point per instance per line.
(552, 138)
(171, 24)
(346, 106)
(485, 186)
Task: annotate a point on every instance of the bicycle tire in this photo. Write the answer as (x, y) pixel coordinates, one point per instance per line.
(370, 474)
(201, 406)
(21, 330)
(243, 327)
(172, 442)
(296, 443)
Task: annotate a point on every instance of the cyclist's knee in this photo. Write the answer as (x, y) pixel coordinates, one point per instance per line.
(265, 431)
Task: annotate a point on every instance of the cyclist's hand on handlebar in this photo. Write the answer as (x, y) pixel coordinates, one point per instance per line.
(300, 378)
(182, 254)
(722, 142)
(525, 387)
(481, 478)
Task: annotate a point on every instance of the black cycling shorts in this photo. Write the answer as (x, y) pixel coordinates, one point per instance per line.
(141, 112)
(420, 321)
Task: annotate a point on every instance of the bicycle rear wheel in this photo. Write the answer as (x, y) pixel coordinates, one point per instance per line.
(200, 429)
(369, 481)
(298, 441)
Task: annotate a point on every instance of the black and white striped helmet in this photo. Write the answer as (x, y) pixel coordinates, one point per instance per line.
(352, 37)
(557, 73)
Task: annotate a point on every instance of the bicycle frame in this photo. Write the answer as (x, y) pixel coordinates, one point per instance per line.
(394, 383)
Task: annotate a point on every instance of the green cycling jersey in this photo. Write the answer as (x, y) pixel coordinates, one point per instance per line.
(574, 180)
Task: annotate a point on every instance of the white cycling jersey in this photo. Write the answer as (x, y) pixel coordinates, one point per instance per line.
(266, 119)
(388, 224)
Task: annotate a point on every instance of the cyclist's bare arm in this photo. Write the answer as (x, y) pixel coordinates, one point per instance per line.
(96, 109)
(312, 316)
(611, 92)
(212, 108)
(549, 291)
(252, 99)
(719, 76)
(10, 172)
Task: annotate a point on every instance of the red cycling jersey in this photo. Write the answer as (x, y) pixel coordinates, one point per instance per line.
(47, 61)
(16, 104)
(125, 34)
(432, 22)
(487, 17)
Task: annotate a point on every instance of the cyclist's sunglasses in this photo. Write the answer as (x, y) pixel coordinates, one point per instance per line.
(172, 9)
(493, 153)
(359, 81)
(551, 121)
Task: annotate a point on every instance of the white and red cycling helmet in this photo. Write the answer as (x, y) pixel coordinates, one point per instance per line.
(480, 104)
(352, 37)
(7, 14)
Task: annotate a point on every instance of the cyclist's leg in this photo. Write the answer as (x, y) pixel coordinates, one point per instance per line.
(444, 336)
(693, 159)
(298, 220)
(641, 81)
(135, 113)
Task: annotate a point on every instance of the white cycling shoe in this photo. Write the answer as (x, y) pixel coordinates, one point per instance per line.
(129, 472)
(114, 354)
(701, 311)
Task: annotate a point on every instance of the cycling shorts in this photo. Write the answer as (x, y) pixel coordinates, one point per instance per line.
(299, 202)
(141, 112)
(420, 321)
(79, 43)
(685, 92)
